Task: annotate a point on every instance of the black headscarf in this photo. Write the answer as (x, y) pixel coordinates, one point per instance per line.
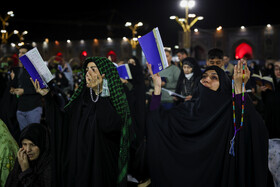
(195, 70)
(189, 144)
(40, 136)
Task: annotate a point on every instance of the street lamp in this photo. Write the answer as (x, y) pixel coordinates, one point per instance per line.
(20, 35)
(184, 22)
(4, 33)
(134, 41)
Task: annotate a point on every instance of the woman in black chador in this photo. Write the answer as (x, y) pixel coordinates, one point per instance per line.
(190, 145)
(33, 163)
(92, 133)
(188, 79)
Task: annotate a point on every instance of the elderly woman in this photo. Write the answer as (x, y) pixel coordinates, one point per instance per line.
(92, 132)
(33, 166)
(195, 143)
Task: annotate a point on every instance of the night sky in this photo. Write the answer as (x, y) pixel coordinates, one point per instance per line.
(84, 20)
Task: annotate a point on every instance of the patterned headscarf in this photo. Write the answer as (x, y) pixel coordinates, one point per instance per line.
(119, 101)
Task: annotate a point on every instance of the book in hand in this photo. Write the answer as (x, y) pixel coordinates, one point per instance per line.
(36, 67)
(173, 93)
(124, 71)
(153, 49)
(263, 81)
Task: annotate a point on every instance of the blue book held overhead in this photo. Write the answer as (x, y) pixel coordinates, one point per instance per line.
(124, 71)
(36, 67)
(153, 49)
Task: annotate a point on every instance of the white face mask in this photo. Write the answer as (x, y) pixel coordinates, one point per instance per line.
(189, 76)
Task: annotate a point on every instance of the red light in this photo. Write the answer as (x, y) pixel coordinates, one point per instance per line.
(242, 50)
(84, 53)
(59, 54)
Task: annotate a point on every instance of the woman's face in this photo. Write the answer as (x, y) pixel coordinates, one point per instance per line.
(210, 79)
(277, 69)
(93, 67)
(32, 150)
(187, 69)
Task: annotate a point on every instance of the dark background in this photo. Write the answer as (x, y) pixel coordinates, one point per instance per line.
(100, 19)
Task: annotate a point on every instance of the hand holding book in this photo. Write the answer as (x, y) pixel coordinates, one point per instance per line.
(156, 80)
(42, 91)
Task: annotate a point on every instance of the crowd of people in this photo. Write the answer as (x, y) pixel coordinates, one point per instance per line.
(188, 125)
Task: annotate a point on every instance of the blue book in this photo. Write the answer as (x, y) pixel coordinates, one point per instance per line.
(36, 67)
(124, 71)
(153, 49)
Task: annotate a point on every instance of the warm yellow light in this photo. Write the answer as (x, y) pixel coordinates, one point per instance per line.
(219, 28)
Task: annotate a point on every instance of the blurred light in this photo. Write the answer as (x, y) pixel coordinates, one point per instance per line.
(13, 45)
(84, 53)
(68, 41)
(3, 31)
(95, 41)
(172, 17)
(127, 24)
(134, 39)
(15, 31)
(25, 32)
(182, 19)
(34, 44)
(124, 38)
(192, 15)
(176, 46)
(82, 42)
(190, 4)
(109, 39)
(56, 42)
(200, 18)
(219, 28)
(183, 3)
(242, 27)
(20, 44)
(195, 30)
(46, 40)
(139, 24)
(11, 13)
(268, 26)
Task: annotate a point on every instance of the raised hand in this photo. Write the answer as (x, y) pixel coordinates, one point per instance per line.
(156, 80)
(94, 79)
(238, 74)
(22, 159)
(38, 89)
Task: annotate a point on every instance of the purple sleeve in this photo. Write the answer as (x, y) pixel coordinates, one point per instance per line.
(155, 102)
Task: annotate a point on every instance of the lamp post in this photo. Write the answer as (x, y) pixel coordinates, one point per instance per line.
(134, 41)
(4, 33)
(184, 22)
(20, 36)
